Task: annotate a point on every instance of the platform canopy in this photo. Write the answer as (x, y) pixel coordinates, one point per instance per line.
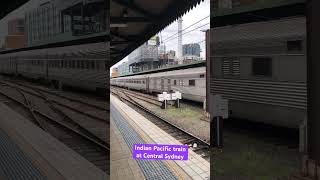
(224, 14)
(133, 22)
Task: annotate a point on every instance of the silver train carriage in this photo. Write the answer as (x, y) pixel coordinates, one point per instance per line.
(190, 82)
(260, 68)
(83, 66)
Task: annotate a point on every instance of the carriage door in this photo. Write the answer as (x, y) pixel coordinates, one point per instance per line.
(154, 83)
(162, 84)
(147, 84)
(15, 61)
(169, 85)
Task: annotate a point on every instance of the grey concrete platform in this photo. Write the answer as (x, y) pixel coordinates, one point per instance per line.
(134, 128)
(14, 164)
(29, 153)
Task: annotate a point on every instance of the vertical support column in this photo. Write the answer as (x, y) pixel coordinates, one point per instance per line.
(313, 84)
(60, 85)
(217, 133)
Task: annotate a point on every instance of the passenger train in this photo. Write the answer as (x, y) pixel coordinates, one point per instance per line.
(260, 68)
(83, 66)
(190, 82)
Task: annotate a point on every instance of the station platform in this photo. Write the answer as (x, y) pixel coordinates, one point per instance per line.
(128, 127)
(28, 152)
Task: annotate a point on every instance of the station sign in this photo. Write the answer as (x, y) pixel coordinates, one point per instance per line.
(169, 96)
(164, 96)
(175, 95)
(220, 106)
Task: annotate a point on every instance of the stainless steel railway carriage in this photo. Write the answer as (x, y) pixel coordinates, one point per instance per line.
(261, 68)
(190, 82)
(83, 66)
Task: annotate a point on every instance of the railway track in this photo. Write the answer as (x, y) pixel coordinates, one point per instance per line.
(79, 106)
(89, 103)
(86, 139)
(198, 145)
(145, 98)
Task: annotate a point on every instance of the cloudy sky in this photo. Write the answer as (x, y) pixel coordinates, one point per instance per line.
(169, 34)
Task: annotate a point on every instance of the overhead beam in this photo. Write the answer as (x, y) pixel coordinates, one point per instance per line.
(127, 38)
(119, 42)
(129, 19)
(131, 5)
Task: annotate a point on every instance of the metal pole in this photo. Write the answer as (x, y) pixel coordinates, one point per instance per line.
(216, 131)
(313, 78)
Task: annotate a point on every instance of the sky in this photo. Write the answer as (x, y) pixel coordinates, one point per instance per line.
(199, 12)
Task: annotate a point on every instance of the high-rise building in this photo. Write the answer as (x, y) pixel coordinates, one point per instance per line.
(143, 58)
(191, 50)
(191, 53)
(114, 72)
(16, 34)
(58, 20)
(123, 68)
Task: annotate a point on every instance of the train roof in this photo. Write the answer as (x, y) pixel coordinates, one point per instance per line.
(84, 50)
(172, 68)
(180, 72)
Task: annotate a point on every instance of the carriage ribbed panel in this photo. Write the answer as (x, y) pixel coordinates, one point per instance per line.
(285, 94)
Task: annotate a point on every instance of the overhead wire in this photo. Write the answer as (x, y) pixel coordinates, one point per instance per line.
(188, 27)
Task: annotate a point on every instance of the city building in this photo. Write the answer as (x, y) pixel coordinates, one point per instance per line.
(143, 58)
(123, 69)
(191, 50)
(58, 20)
(168, 59)
(16, 34)
(114, 72)
(191, 53)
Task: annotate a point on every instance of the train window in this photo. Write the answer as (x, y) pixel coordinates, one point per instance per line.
(181, 82)
(174, 82)
(262, 66)
(295, 45)
(88, 64)
(97, 64)
(82, 64)
(192, 82)
(169, 81)
(201, 75)
(92, 64)
(73, 63)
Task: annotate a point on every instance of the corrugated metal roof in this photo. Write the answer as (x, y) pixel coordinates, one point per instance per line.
(289, 27)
